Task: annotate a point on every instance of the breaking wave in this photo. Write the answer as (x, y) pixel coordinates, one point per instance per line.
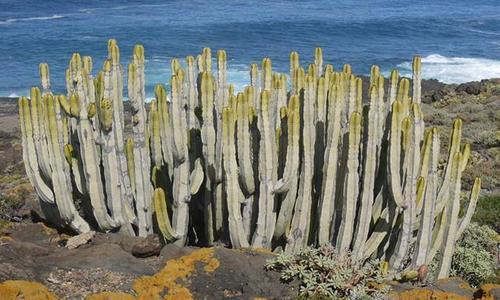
(455, 69)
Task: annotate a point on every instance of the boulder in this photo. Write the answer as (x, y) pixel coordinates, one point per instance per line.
(148, 246)
(78, 240)
(471, 88)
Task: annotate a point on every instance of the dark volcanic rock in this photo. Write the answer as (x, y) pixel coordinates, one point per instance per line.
(172, 251)
(149, 246)
(449, 288)
(438, 95)
(105, 256)
(472, 88)
(241, 275)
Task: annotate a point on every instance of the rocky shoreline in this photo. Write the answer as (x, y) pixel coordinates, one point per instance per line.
(29, 250)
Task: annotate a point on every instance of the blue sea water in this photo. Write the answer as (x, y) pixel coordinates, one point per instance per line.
(458, 40)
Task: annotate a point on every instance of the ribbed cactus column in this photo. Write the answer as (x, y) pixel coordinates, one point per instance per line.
(208, 138)
(351, 188)
(287, 185)
(327, 200)
(369, 171)
(31, 161)
(113, 91)
(192, 92)
(394, 160)
(455, 140)
(181, 177)
(294, 65)
(424, 237)
(245, 159)
(110, 157)
(266, 218)
(299, 231)
(39, 132)
(221, 99)
(78, 107)
(60, 171)
(452, 210)
(417, 79)
(141, 155)
(234, 196)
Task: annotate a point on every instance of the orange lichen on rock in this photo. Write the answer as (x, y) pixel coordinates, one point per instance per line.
(485, 292)
(211, 265)
(110, 296)
(164, 285)
(20, 289)
(425, 294)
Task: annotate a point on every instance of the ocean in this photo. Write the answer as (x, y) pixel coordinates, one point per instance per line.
(458, 40)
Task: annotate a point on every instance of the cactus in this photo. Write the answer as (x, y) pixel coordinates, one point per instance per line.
(276, 167)
(139, 171)
(369, 169)
(299, 231)
(266, 216)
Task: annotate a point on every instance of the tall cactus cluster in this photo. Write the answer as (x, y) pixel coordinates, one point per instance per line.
(293, 160)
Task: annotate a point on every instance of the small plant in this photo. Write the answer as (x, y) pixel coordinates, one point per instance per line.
(474, 258)
(10, 203)
(324, 273)
(475, 254)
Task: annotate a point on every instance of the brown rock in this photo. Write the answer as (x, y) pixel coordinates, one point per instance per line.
(78, 240)
(241, 274)
(423, 271)
(172, 251)
(449, 288)
(105, 256)
(149, 246)
(471, 88)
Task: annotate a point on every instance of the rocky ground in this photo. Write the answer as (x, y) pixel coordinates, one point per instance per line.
(32, 251)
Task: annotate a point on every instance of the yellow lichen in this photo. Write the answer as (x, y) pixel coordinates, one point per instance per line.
(110, 296)
(484, 293)
(425, 294)
(20, 289)
(212, 265)
(165, 283)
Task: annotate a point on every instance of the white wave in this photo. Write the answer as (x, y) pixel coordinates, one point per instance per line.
(455, 69)
(14, 20)
(13, 95)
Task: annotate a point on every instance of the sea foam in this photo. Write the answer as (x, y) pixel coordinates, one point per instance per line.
(14, 20)
(455, 69)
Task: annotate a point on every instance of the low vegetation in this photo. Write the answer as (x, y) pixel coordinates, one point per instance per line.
(474, 259)
(488, 212)
(326, 274)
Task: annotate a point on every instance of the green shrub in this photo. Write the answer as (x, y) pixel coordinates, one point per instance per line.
(10, 203)
(324, 274)
(474, 258)
(488, 212)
